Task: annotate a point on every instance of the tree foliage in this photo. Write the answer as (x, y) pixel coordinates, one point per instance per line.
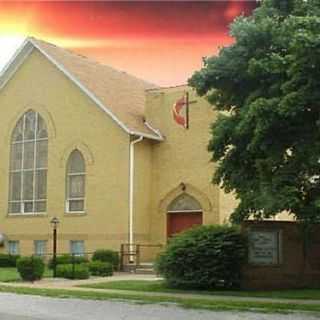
(267, 85)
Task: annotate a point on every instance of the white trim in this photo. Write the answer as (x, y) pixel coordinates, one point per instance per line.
(156, 131)
(6, 74)
(146, 135)
(17, 242)
(30, 140)
(25, 50)
(185, 211)
(131, 193)
(34, 170)
(74, 212)
(81, 86)
(69, 175)
(81, 254)
(27, 214)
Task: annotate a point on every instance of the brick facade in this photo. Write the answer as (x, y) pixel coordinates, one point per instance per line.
(297, 268)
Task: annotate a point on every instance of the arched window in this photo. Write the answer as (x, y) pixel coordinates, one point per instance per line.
(184, 202)
(76, 173)
(28, 165)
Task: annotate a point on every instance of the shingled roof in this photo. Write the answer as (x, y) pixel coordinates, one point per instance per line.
(119, 94)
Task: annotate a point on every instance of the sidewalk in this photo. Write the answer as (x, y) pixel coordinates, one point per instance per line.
(65, 284)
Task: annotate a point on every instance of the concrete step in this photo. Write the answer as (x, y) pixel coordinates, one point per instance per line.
(145, 268)
(145, 271)
(146, 265)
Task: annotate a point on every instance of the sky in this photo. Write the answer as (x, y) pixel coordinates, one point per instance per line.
(162, 42)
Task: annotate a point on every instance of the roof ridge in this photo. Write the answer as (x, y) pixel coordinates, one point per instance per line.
(93, 61)
(119, 94)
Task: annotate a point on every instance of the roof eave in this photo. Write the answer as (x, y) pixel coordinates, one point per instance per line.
(93, 97)
(25, 50)
(15, 62)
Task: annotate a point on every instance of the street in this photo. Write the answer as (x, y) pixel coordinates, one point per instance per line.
(23, 307)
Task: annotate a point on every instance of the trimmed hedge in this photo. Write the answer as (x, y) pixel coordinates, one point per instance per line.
(8, 260)
(69, 271)
(204, 257)
(107, 256)
(100, 268)
(30, 268)
(67, 259)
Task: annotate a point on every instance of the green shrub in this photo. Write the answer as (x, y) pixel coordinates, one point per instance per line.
(100, 268)
(204, 257)
(76, 271)
(107, 256)
(30, 268)
(67, 259)
(8, 260)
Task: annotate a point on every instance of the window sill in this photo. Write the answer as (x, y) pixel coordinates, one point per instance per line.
(26, 215)
(75, 213)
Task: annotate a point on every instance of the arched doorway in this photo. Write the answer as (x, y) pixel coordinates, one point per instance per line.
(183, 213)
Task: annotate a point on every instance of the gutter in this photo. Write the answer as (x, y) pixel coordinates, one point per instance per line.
(131, 192)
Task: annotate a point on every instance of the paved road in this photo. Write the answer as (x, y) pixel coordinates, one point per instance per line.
(23, 307)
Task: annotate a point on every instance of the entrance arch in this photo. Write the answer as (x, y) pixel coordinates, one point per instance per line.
(183, 213)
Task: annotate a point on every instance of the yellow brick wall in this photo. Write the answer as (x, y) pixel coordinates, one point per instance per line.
(182, 158)
(142, 191)
(73, 122)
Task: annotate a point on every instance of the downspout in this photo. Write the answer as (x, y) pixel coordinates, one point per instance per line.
(131, 192)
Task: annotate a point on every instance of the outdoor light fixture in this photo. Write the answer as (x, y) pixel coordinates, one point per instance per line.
(54, 223)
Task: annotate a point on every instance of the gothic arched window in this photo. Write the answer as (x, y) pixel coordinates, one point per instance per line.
(28, 165)
(76, 173)
(184, 202)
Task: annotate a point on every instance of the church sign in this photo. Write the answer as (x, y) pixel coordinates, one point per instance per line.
(264, 247)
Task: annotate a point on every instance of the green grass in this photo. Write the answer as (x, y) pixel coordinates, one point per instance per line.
(194, 303)
(159, 286)
(11, 274)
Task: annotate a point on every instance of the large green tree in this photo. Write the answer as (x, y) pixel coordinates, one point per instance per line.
(267, 86)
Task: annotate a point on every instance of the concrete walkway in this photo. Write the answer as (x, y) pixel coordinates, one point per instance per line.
(59, 283)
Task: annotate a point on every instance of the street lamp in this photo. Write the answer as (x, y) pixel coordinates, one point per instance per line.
(54, 223)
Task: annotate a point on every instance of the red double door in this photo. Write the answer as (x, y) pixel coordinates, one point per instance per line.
(181, 221)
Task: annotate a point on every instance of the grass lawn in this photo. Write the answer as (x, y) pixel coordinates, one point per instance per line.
(207, 304)
(11, 274)
(159, 286)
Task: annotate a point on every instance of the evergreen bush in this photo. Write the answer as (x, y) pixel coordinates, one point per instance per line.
(76, 271)
(67, 259)
(107, 256)
(204, 257)
(30, 268)
(100, 268)
(8, 260)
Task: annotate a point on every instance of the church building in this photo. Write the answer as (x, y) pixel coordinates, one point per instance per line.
(115, 159)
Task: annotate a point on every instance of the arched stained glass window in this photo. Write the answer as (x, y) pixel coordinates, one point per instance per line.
(28, 165)
(184, 202)
(76, 173)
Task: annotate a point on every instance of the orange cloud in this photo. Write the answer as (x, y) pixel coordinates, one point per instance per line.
(163, 42)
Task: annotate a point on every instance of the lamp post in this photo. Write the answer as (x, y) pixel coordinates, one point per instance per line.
(54, 223)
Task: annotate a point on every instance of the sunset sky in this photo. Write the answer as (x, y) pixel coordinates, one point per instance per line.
(162, 42)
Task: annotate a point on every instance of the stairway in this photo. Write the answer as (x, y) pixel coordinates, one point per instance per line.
(145, 268)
